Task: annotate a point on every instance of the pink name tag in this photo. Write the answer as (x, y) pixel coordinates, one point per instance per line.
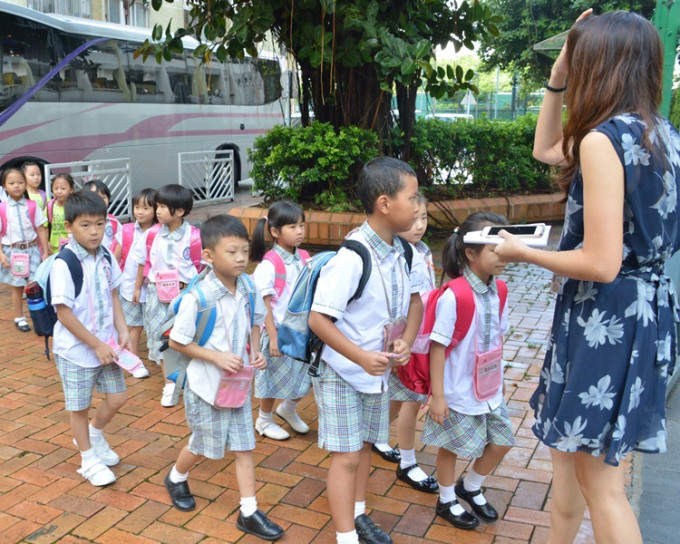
(19, 264)
(167, 285)
(488, 373)
(234, 389)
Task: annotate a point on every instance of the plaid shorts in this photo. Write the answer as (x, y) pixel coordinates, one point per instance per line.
(134, 313)
(213, 429)
(348, 418)
(466, 435)
(284, 377)
(398, 391)
(78, 382)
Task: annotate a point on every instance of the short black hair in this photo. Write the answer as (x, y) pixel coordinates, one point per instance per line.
(381, 176)
(99, 186)
(175, 196)
(220, 226)
(83, 202)
(66, 177)
(147, 196)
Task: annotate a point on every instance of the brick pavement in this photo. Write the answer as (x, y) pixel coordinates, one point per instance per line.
(43, 500)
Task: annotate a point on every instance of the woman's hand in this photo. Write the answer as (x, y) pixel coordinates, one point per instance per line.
(512, 249)
(560, 68)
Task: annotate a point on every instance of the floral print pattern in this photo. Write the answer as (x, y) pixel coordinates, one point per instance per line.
(613, 345)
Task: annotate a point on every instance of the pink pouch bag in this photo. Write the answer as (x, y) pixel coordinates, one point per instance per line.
(234, 389)
(126, 359)
(19, 264)
(167, 285)
(488, 373)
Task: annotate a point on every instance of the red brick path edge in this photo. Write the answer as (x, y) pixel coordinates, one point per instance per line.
(327, 228)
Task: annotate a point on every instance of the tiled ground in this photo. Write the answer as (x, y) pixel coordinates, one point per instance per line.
(42, 499)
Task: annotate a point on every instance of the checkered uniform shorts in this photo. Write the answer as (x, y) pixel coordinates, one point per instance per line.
(78, 382)
(154, 316)
(284, 377)
(6, 276)
(213, 429)
(134, 313)
(348, 418)
(466, 435)
(398, 391)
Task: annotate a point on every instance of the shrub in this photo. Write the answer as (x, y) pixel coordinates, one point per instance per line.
(316, 163)
(674, 116)
(481, 157)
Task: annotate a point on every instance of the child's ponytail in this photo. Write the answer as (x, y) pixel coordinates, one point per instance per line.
(454, 258)
(280, 214)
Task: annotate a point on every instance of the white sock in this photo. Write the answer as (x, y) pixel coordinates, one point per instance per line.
(446, 493)
(248, 506)
(408, 458)
(94, 432)
(473, 481)
(88, 456)
(177, 477)
(383, 447)
(347, 538)
(266, 417)
(288, 406)
(17, 319)
(416, 474)
(359, 508)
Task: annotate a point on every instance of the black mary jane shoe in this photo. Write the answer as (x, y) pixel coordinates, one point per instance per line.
(391, 456)
(428, 485)
(181, 497)
(484, 511)
(464, 521)
(369, 533)
(259, 525)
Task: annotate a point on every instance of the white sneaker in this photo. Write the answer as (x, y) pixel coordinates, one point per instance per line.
(168, 391)
(271, 430)
(141, 372)
(104, 452)
(97, 473)
(293, 419)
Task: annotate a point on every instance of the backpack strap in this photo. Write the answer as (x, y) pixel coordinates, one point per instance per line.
(74, 268)
(363, 252)
(465, 308)
(279, 271)
(304, 255)
(32, 206)
(50, 210)
(250, 291)
(408, 252)
(128, 238)
(207, 314)
(502, 295)
(150, 237)
(43, 196)
(195, 248)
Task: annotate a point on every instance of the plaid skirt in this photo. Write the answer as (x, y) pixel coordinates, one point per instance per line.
(6, 276)
(154, 316)
(398, 391)
(467, 435)
(284, 377)
(134, 313)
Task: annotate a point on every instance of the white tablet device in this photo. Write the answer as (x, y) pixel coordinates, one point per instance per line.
(535, 235)
(517, 230)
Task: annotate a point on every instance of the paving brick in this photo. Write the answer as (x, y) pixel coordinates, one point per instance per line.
(101, 522)
(55, 529)
(168, 534)
(304, 493)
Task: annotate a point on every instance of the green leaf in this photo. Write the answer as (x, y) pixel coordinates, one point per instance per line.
(157, 33)
(156, 4)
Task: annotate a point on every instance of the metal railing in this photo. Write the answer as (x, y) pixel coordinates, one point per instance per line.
(115, 173)
(209, 175)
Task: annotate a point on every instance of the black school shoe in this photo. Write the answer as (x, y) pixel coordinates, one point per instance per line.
(259, 525)
(181, 497)
(465, 521)
(428, 485)
(369, 532)
(391, 456)
(484, 511)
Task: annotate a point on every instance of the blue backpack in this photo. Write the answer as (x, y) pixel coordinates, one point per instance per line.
(295, 338)
(175, 362)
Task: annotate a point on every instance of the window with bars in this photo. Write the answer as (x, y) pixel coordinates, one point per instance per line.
(75, 8)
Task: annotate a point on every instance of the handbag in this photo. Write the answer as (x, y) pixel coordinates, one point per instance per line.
(19, 264)
(234, 389)
(167, 285)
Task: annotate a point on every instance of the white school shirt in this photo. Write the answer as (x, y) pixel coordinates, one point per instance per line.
(430, 281)
(20, 229)
(93, 307)
(109, 237)
(265, 275)
(363, 320)
(459, 365)
(137, 252)
(169, 251)
(230, 334)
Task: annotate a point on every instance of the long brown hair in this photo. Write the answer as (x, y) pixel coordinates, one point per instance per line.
(615, 63)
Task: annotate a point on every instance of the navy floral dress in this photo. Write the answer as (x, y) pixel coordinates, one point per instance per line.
(613, 345)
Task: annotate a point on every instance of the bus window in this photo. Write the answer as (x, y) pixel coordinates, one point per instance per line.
(107, 75)
(270, 71)
(149, 82)
(25, 57)
(178, 78)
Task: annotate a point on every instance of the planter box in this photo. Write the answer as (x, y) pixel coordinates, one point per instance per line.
(330, 229)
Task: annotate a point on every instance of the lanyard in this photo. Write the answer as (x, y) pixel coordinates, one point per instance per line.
(21, 223)
(391, 311)
(249, 331)
(96, 327)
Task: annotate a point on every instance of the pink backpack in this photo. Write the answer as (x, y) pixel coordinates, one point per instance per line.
(128, 238)
(32, 206)
(195, 247)
(415, 374)
(280, 268)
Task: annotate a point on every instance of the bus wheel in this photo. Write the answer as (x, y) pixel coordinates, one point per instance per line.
(217, 169)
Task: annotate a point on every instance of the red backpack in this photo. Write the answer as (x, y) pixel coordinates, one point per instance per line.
(195, 248)
(415, 374)
(280, 268)
(32, 206)
(128, 238)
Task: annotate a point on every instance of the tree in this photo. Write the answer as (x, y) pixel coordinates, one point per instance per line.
(524, 24)
(352, 55)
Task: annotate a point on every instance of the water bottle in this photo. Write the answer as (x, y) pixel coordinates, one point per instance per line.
(37, 307)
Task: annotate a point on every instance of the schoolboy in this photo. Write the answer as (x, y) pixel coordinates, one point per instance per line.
(351, 389)
(85, 323)
(225, 248)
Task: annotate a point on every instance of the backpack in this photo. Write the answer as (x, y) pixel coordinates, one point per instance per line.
(114, 226)
(295, 338)
(39, 295)
(195, 248)
(415, 375)
(280, 268)
(32, 206)
(176, 363)
(128, 238)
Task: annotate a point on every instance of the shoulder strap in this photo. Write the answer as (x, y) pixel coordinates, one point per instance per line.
(3, 217)
(128, 237)
(279, 270)
(74, 268)
(32, 206)
(363, 252)
(195, 248)
(408, 251)
(114, 223)
(43, 196)
(207, 313)
(50, 210)
(250, 291)
(304, 255)
(502, 294)
(465, 308)
(150, 237)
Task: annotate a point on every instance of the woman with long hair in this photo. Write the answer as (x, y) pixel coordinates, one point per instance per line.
(602, 390)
